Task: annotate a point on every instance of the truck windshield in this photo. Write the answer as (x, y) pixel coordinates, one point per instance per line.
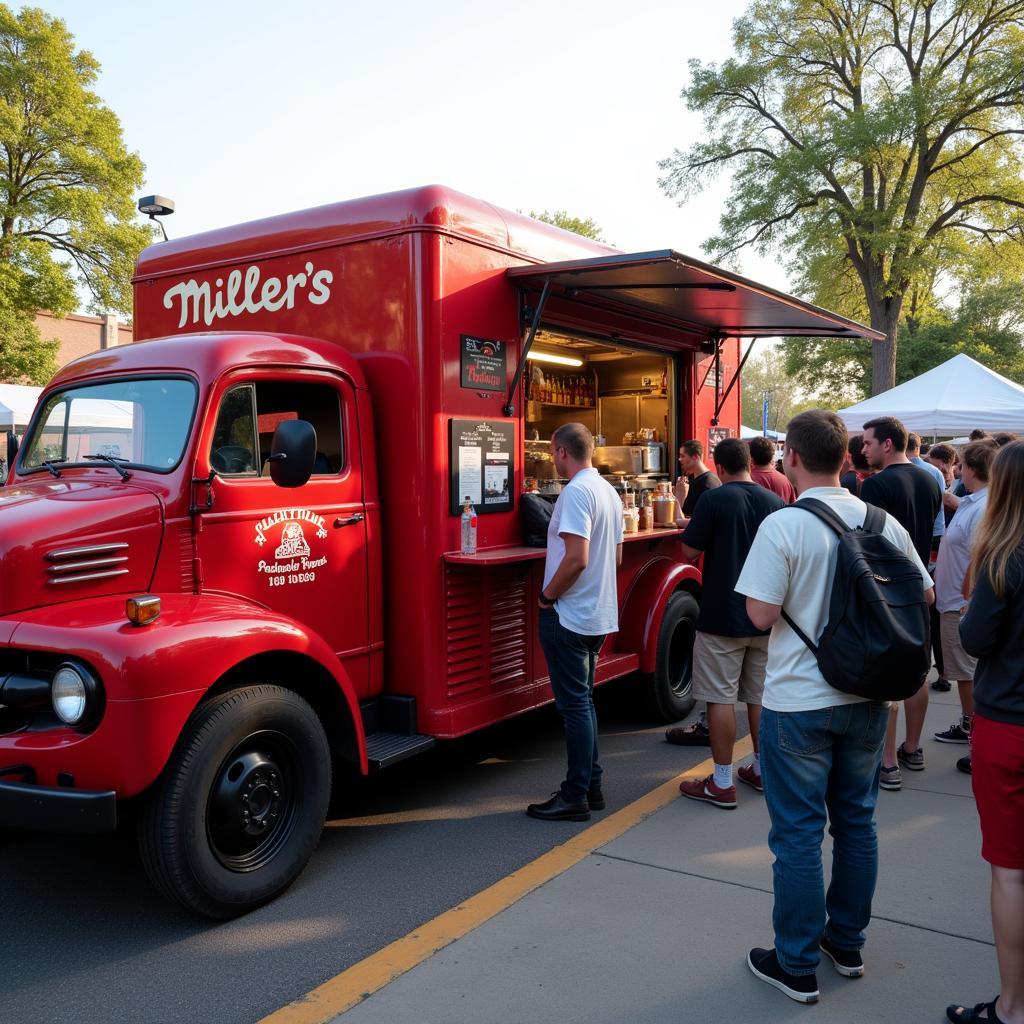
(141, 423)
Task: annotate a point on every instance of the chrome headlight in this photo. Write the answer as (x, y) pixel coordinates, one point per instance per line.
(74, 692)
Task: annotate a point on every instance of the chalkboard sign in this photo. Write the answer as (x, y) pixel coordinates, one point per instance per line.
(481, 464)
(483, 364)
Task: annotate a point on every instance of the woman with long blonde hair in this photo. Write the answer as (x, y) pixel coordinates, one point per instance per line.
(992, 630)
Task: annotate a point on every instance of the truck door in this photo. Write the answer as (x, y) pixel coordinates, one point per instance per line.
(301, 551)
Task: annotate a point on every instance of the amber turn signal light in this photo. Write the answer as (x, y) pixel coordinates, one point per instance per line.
(141, 611)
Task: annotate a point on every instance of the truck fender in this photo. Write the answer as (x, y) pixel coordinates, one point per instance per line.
(197, 644)
(643, 606)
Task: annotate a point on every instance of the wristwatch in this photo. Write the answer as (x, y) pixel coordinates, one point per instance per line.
(544, 601)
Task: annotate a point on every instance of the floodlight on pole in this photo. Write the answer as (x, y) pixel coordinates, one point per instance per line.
(157, 206)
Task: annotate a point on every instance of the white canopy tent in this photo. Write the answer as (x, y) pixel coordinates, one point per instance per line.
(16, 404)
(774, 435)
(951, 399)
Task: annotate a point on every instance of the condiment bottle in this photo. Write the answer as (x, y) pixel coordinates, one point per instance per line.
(647, 513)
(468, 528)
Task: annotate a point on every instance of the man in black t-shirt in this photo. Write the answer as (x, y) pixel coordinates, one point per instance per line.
(729, 655)
(913, 497)
(696, 478)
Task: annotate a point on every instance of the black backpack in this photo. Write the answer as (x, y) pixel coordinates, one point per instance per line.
(876, 643)
(536, 511)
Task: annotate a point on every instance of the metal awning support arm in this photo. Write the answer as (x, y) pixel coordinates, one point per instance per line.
(735, 377)
(510, 409)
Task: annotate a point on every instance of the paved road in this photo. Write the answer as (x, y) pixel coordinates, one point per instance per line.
(83, 939)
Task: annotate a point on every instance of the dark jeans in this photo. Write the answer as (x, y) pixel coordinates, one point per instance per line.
(572, 661)
(818, 764)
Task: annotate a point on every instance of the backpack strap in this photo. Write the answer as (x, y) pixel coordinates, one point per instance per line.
(874, 521)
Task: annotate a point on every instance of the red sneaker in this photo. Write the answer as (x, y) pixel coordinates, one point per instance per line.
(706, 790)
(750, 777)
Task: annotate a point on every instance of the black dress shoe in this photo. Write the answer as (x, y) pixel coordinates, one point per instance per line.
(595, 798)
(557, 809)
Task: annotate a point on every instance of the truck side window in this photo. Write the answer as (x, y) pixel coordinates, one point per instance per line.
(234, 438)
(317, 404)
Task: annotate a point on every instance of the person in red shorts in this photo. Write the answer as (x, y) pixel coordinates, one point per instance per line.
(992, 630)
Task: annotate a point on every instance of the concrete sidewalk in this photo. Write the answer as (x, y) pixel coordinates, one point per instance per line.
(655, 925)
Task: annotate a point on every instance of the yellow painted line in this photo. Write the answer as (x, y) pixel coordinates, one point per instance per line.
(361, 980)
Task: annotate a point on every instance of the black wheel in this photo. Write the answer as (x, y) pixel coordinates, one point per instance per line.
(671, 683)
(241, 804)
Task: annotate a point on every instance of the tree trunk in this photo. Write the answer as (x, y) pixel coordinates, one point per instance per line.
(885, 317)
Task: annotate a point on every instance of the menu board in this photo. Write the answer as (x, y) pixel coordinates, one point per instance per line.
(483, 363)
(481, 466)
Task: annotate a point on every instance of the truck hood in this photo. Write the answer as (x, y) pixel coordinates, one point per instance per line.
(64, 540)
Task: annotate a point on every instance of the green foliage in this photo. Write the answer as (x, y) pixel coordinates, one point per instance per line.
(877, 142)
(584, 226)
(766, 371)
(67, 182)
(987, 325)
(24, 357)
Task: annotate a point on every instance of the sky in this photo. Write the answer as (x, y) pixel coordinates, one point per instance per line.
(245, 110)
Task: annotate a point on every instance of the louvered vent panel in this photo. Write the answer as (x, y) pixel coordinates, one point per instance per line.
(486, 642)
(185, 555)
(85, 564)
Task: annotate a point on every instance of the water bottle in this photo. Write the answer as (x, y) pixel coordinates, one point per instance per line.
(468, 528)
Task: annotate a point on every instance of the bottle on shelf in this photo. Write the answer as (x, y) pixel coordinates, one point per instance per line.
(468, 527)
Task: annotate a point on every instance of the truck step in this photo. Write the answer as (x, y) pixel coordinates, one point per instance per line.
(384, 749)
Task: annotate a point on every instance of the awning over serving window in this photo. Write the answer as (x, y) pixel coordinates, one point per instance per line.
(695, 296)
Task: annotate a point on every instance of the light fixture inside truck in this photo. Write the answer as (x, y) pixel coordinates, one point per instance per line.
(551, 357)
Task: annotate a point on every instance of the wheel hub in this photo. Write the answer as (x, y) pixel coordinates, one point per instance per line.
(246, 802)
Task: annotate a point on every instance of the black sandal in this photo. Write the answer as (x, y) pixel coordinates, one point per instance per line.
(967, 1016)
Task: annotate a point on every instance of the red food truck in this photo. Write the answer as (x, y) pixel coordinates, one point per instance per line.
(231, 550)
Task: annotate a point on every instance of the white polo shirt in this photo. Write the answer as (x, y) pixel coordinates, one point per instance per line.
(588, 507)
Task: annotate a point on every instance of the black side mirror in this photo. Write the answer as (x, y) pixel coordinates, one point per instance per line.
(12, 448)
(292, 453)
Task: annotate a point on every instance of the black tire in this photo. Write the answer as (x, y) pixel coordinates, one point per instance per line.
(670, 686)
(241, 804)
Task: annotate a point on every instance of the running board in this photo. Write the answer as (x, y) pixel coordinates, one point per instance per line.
(384, 749)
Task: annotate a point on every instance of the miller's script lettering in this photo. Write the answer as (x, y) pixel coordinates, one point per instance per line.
(245, 292)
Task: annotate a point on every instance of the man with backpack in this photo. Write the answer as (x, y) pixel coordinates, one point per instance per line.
(844, 605)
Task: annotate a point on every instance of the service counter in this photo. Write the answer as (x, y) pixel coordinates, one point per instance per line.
(521, 553)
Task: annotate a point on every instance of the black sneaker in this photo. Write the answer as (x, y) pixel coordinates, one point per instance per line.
(764, 964)
(942, 685)
(847, 962)
(956, 733)
(558, 809)
(964, 765)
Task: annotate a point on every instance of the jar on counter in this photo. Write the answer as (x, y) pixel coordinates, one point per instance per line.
(631, 520)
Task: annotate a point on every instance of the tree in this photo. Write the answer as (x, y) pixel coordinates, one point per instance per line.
(584, 226)
(766, 372)
(24, 357)
(879, 141)
(987, 324)
(67, 181)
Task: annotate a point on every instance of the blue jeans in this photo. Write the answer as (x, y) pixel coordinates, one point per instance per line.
(817, 765)
(572, 661)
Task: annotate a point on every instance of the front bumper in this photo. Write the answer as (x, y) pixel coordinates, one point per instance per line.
(41, 808)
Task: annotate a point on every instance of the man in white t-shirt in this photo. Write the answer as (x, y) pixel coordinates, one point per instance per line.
(578, 609)
(821, 749)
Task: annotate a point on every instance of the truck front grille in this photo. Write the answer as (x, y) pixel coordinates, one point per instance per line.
(79, 565)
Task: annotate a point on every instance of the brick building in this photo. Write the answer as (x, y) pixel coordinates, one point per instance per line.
(79, 335)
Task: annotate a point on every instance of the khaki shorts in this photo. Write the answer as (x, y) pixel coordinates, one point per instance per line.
(956, 662)
(729, 668)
